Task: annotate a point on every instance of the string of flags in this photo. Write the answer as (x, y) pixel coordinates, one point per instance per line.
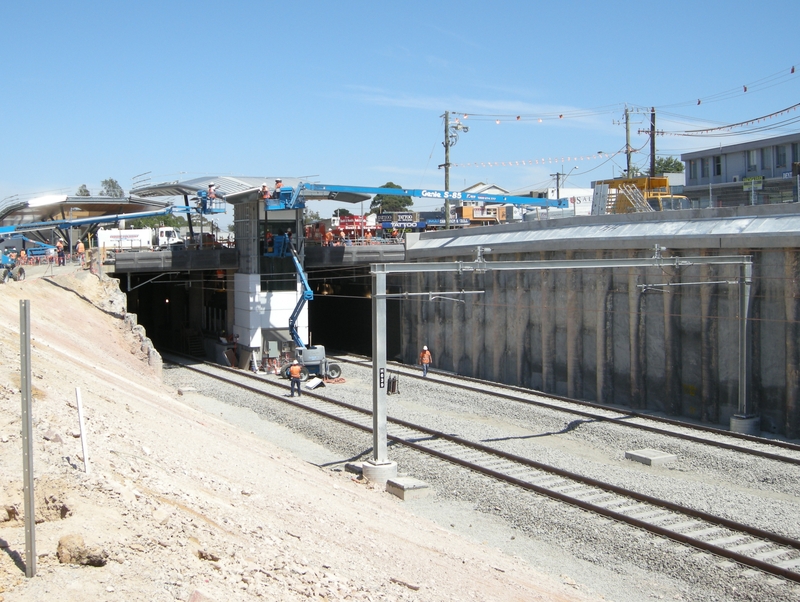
(744, 87)
(542, 161)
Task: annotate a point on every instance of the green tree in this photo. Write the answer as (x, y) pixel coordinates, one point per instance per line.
(342, 212)
(311, 217)
(83, 191)
(111, 187)
(176, 221)
(390, 203)
(667, 165)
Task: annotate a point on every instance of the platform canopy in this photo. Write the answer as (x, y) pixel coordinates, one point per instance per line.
(62, 206)
(238, 189)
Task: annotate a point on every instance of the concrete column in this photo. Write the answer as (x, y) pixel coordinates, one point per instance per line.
(604, 304)
(521, 313)
(463, 361)
(709, 343)
(548, 332)
(636, 335)
(791, 297)
(672, 348)
(478, 326)
(574, 332)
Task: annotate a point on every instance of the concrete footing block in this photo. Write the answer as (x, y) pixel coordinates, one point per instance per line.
(651, 457)
(746, 425)
(407, 488)
(379, 473)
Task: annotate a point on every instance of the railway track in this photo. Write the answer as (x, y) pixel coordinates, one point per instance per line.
(758, 446)
(757, 548)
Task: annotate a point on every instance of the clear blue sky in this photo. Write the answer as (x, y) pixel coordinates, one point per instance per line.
(353, 92)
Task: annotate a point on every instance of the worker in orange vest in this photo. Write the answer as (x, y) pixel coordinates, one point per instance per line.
(294, 375)
(425, 359)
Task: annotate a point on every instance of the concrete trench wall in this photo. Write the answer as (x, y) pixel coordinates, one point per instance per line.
(596, 335)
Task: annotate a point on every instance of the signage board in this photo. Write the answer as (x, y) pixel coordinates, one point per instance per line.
(753, 183)
(399, 225)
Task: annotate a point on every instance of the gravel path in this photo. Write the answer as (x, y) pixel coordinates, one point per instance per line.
(615, 560)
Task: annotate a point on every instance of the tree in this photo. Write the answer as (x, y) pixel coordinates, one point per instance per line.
(83, 191)
(311, 217)
(667, 165)
(111, 187)
(390, 203)
(176, 221)
(342, 212)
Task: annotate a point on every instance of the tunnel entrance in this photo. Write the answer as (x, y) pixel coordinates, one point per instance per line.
(176, 307)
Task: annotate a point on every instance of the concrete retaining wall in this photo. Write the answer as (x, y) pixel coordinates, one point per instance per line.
(595, 334)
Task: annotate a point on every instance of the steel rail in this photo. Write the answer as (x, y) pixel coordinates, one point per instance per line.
(503, 477)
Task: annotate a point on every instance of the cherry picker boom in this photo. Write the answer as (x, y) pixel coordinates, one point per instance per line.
(312, 358)
(295, 198)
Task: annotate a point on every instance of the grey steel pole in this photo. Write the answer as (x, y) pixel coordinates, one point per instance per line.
(27, 437)
(379, 433)
(447, 168)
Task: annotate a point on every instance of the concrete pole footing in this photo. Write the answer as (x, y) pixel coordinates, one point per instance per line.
(746, 425)
(379, 473)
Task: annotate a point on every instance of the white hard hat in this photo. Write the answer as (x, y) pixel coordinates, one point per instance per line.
(295, 362)
(424, 347)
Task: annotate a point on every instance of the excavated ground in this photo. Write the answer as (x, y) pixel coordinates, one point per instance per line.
(181, 505)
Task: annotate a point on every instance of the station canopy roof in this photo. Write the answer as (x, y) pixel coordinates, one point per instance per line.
(61, 206)
(238, 189)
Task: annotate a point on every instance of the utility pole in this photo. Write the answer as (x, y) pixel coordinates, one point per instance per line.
(628, 140)
(652, 141)
(557, 176)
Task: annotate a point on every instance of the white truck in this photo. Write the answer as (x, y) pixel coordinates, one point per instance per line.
(138, 239)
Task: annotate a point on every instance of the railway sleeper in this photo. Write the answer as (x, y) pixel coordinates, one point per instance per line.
(770, 554)
(749, 547)
(788, 564)
(724, 541)
(684, 526)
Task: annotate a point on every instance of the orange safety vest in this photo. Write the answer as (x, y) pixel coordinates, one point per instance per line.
(294, 371)
(425, 357)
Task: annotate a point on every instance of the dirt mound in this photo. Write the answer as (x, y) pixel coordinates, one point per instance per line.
(179, 505)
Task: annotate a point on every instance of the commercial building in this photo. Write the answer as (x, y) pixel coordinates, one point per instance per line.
(751, 173)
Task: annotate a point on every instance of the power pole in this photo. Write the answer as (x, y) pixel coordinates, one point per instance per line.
(557, 176)
(446, 168)
(652, 141)
(628, 139)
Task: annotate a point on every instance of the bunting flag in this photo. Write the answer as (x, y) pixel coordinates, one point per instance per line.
(542, 161)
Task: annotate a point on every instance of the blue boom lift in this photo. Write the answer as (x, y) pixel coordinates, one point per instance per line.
(312, 358)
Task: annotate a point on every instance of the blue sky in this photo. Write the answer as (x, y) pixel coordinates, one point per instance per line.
(353, 92)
